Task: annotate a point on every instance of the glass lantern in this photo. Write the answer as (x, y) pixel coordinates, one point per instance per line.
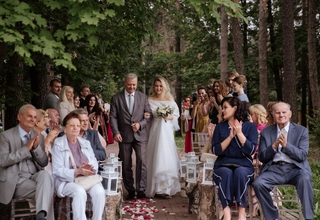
(190, 155)
(183, 167)
(109, 180)
(207, 172)
(192, 169)
(120, 169)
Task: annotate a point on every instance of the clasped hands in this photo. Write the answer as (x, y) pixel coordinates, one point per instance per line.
(236, 128)
(85, 169)
(34, 142)
(282, 139)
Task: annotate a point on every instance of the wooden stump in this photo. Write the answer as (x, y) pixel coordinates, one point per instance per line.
(207, 207)
(113, 207)
(193, 195)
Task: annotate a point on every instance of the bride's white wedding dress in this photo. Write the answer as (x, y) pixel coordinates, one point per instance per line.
(162, 158)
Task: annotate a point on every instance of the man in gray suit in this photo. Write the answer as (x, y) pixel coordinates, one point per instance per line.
(52, 98)
(129, 129)
(283, 150)
(22, 156)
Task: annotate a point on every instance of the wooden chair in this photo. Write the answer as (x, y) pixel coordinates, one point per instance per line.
(64, 206)
(198, 139)
(279, 200)
(21, 208)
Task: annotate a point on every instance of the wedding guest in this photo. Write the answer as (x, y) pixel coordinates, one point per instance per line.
(43, 122)
(84, 91)
(52, 98)
(202, 120)
(231, 77)
(76, 101)
(64, 173)
(22, 159)
(239, 83)
(269, 113)
(234, 141)
(66, 104)
(162, 157)
(283, 150)
(129, 129)
(187, 123)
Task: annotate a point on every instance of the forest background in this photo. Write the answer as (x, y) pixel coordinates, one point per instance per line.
(275, 43)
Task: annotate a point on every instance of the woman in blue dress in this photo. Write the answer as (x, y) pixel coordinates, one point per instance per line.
(234, 141)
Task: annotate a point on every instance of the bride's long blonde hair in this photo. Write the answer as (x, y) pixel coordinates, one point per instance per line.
(165, 87)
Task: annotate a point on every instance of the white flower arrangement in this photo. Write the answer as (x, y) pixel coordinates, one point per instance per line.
(163, 111)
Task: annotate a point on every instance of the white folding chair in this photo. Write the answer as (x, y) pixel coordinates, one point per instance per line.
(198, 139)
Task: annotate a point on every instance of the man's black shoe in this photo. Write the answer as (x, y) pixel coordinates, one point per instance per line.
(130, 196)
(141, 195)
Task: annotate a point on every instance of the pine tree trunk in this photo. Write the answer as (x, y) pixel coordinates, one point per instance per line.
(274, 49)
(289, 69)
(312, 55)
(237, 44)
(263, 74)
(224, 45)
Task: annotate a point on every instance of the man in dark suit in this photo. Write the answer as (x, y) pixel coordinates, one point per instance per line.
(91, 135)
(84, 91)
(22, 156)
(52, 98)
(283, 150)
(129, 129)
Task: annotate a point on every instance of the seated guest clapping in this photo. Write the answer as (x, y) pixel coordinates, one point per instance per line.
(22, 157)
(234, 141)
(86, 165)
(283, 150)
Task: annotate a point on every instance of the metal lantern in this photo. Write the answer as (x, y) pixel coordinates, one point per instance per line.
(120, 169)
(207, 172)
(190, 155)
(183, 167)
(112, 161)
(110, 180)
(193, 166)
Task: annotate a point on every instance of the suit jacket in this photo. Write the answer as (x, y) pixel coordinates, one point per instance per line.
(93, 138)
(51, 101)
(121, 119)
(297, 146)
(12, 152)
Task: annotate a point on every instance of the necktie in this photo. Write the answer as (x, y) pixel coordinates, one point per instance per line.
(28, 137)
(131, 102)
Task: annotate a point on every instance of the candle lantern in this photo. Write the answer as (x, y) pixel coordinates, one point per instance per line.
(207, 171)
(183, 167)
(109, 180)
(192, 169)
(120, 169)
(190, 155)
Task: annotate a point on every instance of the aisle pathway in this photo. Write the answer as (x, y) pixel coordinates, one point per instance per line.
(175, 208)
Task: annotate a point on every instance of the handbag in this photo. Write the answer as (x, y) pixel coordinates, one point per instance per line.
(87, 182)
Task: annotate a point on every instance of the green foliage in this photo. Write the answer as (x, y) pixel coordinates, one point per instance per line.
(29, 27)
(314, 130)
(315, 167)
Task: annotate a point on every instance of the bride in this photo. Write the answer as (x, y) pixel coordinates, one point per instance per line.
(162, 157)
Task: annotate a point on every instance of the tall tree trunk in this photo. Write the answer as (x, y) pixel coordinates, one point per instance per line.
(289, 69)
(263, 75)
(245, 33)
(237, 43)
(178, 84)
(224, 45)
(304, 67)
(312, 55)
(275, 65)
(38, 84)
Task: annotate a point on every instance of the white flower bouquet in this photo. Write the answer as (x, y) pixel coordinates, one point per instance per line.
(164, 111)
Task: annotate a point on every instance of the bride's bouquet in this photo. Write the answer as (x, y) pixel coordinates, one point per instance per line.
(164, 111)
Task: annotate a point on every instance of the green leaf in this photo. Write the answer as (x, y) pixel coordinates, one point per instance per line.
(22, 50)
(22, 8)
(93, 40)
(29, 61)
(52, 4)
(64, 63)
